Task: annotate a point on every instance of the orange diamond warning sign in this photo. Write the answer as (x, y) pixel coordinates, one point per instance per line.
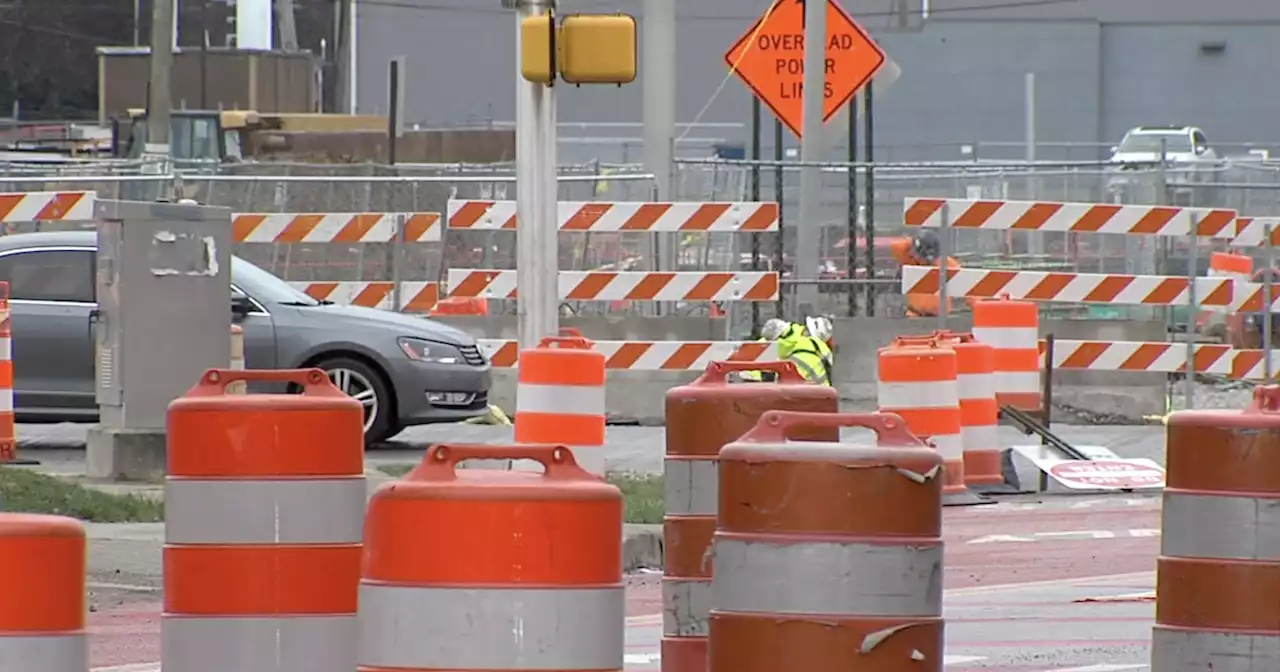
(769, 58)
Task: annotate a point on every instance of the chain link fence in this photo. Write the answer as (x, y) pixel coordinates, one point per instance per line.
(1250, 187)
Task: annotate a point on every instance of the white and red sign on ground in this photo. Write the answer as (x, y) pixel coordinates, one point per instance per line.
(1134, 474)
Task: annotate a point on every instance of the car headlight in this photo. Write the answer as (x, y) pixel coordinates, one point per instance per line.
(430, 351)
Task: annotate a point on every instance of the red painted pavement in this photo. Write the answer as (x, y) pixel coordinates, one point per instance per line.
(130, 633)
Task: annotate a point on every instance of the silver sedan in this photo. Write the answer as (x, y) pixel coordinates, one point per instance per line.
(406, 370)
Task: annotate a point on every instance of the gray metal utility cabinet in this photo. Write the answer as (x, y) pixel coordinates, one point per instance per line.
(163, 318)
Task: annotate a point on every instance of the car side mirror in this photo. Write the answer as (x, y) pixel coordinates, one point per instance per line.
(1115, 148)
(241, 306)
(1201, 149)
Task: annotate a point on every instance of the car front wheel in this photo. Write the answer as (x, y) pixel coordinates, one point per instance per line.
(367, 386)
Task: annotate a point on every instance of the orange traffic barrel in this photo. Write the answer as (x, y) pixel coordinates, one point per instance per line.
(8, 428)
(264, 508)
(560, 398)
(42, 589)
(979, 412)
(919, 381)
(701, 418)
(803, 583)
(1218, 573)
(1013, 329)
(481, 569)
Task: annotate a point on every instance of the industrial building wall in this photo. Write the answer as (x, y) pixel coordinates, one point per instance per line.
(962, 80)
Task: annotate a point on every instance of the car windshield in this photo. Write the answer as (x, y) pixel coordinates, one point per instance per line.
(265, 287)
(1174, 143)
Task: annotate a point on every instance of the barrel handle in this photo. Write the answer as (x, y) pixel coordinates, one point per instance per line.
(716, 371)
(778, 426)
(442, 460)
(1266, 399)
(314, 382)
(565, 342)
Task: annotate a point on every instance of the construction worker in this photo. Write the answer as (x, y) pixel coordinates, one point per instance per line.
(922, 249)
(812, 356)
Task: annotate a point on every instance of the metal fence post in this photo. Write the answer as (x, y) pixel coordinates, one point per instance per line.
(397, 262)
(1267, 366)
(1189, 389)
(944, 252)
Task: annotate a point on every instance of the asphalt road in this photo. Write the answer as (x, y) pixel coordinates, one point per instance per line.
(637, 449)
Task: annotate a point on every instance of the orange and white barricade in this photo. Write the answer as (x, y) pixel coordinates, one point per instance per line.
(1069, 217)
(264, 508)
(1012, 328)
(649, 355)
(918, 381)
(560, 398)
(42, 594)
(46, 206)
(415, 297)
(8, 428)
(480, 569)
(350, 228)
(624, 285)
(625, 217)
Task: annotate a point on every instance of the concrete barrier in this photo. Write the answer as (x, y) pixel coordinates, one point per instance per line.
(637, 396)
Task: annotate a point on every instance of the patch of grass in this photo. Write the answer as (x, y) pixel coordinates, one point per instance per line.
(642, 494)
(26, 491)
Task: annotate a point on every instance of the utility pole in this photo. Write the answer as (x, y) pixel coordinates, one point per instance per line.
(808, 228)
(204, 54)
(159, 101)
(537, 251)
(658, 52)
(288, 26)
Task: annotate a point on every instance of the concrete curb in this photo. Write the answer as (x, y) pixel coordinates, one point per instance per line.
(641, 547)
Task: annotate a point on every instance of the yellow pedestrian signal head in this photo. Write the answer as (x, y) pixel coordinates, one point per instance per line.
(536, 42)
(597, 49)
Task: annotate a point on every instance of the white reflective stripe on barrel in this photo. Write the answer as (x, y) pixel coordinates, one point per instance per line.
(827, 578)
(686, 606)
(1018, 382)
(1008, 338)
(227, 511)
(6, 399)
(259, 644)
(559, 399)
(44, 653)
(491, 629)
(6, 349)
(1178, 650)
(1219, 526)
(949, 446)
(981, 437)
(691, 486)
(976, 385)
(932, 394)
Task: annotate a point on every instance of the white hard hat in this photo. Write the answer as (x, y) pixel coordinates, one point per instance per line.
(819, 327)
(772, 329)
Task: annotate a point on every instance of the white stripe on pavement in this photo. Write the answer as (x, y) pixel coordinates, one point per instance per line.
(1104, 667)
(136, 667)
